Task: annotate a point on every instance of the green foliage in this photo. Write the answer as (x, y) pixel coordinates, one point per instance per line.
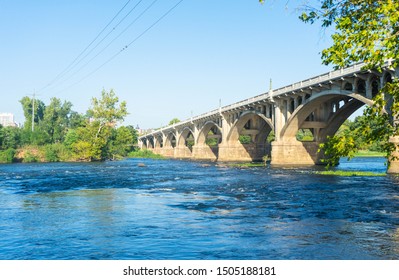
(56, 120)
(56, 152)
(245, 139)
(105, 113)
(71, 138)
(7, 156)
(9, 137)
(27, 106)
(270, 138)
(369, 153)
(349, 173)
(173, 121)
(365, 30)
(304, 135)
(30, 157)
(365, 133)
(82, 150)
(211, 140)
(246, 164)
(121, 142)
(338, 146)
(61, 134)
(144, 154)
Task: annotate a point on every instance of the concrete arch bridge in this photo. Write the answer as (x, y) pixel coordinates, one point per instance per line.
(242, 131)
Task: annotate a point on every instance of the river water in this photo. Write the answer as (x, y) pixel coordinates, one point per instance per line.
(173, 209)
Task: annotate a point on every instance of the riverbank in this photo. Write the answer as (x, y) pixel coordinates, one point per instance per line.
(367, 153)
(350, 173)
(59, 153)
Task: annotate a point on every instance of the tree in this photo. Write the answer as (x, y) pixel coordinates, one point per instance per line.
(93, 138)
(27, 105)
(365, 31)
(9, 137)
(173, 121)
(56, 120)
(121, 143)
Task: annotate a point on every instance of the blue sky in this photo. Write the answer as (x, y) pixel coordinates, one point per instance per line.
(202, 51)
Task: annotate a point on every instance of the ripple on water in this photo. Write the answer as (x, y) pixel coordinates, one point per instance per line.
(182, 210)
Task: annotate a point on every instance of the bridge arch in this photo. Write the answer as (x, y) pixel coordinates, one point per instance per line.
(207, 131)
(245, 138)
(325, 112)
(150, 143)
(208, 140)
(250, 123)
(185, 135)
(170, 140)
(185, 143)
(158, 141)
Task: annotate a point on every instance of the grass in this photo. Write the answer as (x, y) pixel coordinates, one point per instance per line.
(350, 173)
(366, 153)
(144, 154)
(247, 164)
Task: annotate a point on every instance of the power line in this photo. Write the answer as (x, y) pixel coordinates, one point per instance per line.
(126, 46)
(67, 69)
(113, 40)
(102, 40)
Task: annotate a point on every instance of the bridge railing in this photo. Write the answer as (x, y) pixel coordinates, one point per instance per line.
(264, 96)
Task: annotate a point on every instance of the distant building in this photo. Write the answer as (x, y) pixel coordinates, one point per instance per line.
(7, 119)
(143, 131)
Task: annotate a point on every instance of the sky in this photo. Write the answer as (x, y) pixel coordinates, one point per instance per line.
(178, 62)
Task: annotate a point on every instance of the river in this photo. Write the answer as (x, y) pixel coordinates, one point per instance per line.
(173, 209)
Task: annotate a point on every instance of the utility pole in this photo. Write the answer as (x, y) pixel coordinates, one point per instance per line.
(33, 112)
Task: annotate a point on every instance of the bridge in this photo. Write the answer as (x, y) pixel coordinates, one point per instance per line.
(320, 105)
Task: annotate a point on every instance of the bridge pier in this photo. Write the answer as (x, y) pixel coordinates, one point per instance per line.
(295, 153)
(393, 167)
(204, 152)
(167, 152)
(182, 152)
(242, 152)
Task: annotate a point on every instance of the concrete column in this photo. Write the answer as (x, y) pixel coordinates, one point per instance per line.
(226, 126)
(393, 167)
(267, 113)
(278, 122)
(296, 103)
(285, 111)
(203, 152)
(180, 151)
(295, 153)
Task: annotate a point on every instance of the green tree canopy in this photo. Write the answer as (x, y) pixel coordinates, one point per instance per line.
(105, 113)
(56, 119)
(173, 121)
(365, 31)
(27, 105)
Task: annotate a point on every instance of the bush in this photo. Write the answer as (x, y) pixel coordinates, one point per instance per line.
(7, 156)
(29, 157)
(245, 139)
(144, 154)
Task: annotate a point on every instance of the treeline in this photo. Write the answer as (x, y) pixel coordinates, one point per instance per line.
(347, 131)
(58, 133)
